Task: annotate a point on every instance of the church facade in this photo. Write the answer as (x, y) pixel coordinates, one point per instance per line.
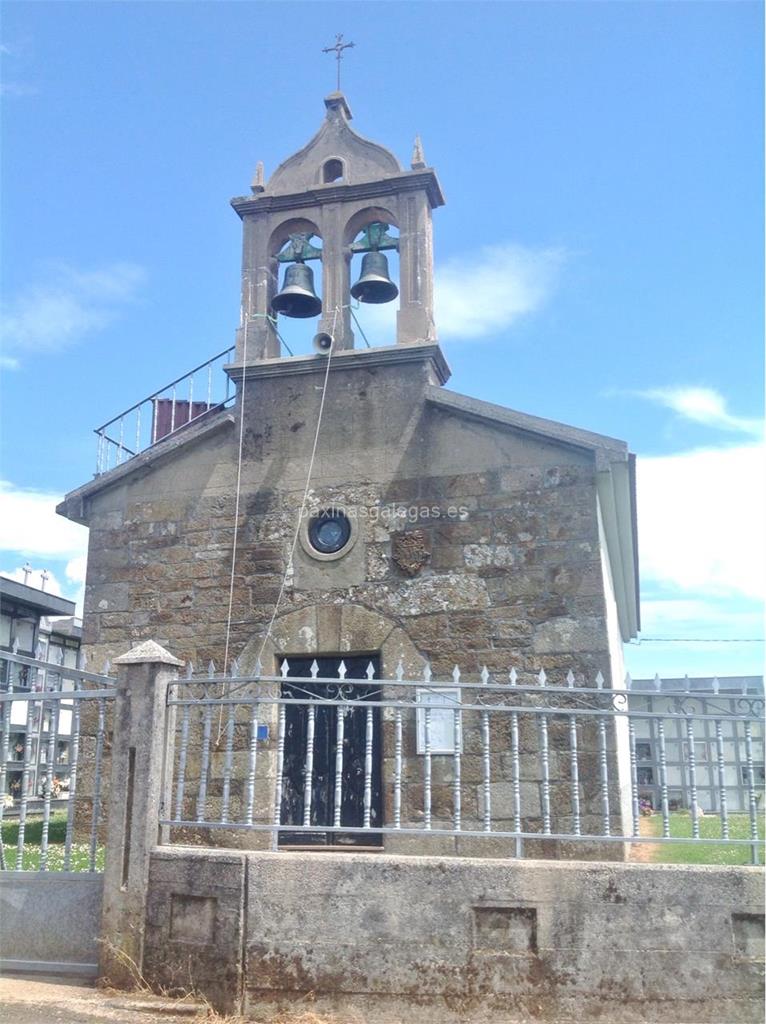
(348, 505)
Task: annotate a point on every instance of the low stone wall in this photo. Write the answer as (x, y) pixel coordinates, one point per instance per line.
(49, 922)
(461, 939)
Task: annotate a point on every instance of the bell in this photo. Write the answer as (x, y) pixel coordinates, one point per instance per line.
(374, 285)
(298, 298)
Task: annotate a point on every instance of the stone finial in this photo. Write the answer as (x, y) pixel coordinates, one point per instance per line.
(418, 161)
(257, 184)
(148, 652)
(337, 105)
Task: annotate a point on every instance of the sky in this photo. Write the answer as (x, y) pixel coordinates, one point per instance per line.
(599, 260)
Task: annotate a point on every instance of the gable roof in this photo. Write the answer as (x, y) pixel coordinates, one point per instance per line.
(74, 505)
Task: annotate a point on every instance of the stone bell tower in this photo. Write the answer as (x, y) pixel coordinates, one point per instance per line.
(339, 195)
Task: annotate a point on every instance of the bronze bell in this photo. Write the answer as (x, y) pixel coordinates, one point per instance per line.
(297, 298)
(374, 284)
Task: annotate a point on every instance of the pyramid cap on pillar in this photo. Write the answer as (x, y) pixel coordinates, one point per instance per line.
(148, 653)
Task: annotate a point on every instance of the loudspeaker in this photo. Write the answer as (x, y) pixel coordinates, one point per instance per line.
(322, 343)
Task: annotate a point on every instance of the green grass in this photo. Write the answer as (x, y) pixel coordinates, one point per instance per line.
(56, 836)
(701, 852)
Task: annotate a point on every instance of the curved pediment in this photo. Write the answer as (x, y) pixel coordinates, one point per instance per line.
(335, 155)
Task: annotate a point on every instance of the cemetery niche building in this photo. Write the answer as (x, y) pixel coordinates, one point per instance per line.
(346, 506)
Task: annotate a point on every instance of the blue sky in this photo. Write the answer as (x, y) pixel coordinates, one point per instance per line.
(599, 260)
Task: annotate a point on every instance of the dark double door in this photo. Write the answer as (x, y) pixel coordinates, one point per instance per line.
(324, 774)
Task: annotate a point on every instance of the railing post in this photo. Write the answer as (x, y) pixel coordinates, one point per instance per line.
(141, 746)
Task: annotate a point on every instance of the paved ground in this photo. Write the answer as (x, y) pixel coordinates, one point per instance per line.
(25, 1001)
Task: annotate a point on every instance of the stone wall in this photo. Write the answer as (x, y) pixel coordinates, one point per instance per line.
(32, 906)
(513, 577)
(496, 559)
(460, 939)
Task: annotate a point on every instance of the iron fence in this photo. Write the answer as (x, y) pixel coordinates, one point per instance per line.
(316, 759)
(185, 400)
(53, 730)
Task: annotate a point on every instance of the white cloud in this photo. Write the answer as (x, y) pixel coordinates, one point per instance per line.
(31, 530)
(479, 294)
(487, 291)
(702, 405)
(75, 569)
(8, 363)
(700, 520)
(30, 527)
(69, 305)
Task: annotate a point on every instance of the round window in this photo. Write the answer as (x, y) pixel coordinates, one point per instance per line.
(329, 531)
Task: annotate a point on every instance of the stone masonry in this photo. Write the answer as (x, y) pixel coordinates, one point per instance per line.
(479, 536)
(505, 526)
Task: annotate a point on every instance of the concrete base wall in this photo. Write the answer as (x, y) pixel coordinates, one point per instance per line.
(460, 939)
(49, 923)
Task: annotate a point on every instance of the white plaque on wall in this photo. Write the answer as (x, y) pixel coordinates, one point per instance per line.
(442, 719)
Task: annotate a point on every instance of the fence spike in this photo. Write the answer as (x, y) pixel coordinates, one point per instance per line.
(314, 669)
(82, 659)
(234, 669)
(370, 670)
(541, 677)
(570, 679)
(342, 670)
(107, 667)
(427, 673)
(687, 683)
(15, 645)
(284, 668)
(399, 673)
(61, 656)
(39, 651)
(513, 676)
(628, 681)
(716, 685)
(484, 674)
(456, 674)
(599, 680)
(657, 682)
(258, 667)
(189, 669)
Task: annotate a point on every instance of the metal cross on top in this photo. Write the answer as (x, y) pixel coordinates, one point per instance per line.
(338, 49)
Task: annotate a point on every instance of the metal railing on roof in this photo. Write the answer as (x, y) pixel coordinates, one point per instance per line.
(163, 413)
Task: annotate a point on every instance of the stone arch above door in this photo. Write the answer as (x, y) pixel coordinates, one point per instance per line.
(333, 629)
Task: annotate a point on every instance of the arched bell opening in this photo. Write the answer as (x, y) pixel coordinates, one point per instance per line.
(373, 245)
(298, 274)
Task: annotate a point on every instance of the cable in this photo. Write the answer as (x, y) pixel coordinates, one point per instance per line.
(361, 329)
(273, 322)
(289, 567)
(695, 640)
(236, 501)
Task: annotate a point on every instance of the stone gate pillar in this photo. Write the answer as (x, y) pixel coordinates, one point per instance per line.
(141, 745)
